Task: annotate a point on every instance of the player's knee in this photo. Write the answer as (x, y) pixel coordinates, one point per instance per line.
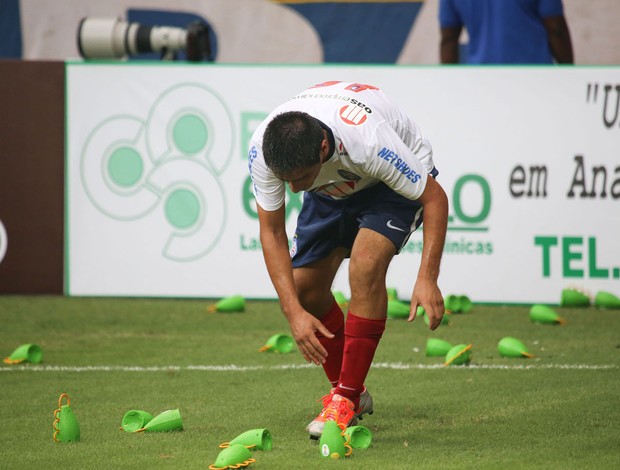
(314, 298)
(367, 274)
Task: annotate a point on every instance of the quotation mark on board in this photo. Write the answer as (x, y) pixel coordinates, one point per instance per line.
(610, 97)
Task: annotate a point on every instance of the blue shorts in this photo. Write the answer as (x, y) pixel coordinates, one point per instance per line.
(325, 223)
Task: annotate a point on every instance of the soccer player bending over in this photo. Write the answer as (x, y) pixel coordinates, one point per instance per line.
(368, 179)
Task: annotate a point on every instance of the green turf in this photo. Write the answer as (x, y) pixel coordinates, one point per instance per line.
(496, 413)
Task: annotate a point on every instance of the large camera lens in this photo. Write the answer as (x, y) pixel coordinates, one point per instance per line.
(102, 38)
(113, 38)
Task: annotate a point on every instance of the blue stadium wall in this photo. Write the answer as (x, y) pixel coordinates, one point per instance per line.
(353, 32)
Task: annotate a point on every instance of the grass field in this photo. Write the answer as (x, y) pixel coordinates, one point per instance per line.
(558, 410)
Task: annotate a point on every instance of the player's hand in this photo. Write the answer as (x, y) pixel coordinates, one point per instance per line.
(303, 326)
(427, 294)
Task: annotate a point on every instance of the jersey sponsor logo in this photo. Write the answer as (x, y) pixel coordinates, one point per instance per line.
(361, 105)
(341, 150)
(398, 163)
(353, 114)
(252, 154)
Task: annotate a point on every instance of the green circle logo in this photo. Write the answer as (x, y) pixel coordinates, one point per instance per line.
(125, 167)
(190, 134)
(182, 208)
(169, 162)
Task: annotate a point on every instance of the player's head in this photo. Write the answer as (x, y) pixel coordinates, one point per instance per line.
(292, 141)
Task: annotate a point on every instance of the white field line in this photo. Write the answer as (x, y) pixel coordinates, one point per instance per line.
(237, 368)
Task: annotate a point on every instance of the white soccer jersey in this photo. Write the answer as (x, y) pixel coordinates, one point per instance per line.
(374, 141)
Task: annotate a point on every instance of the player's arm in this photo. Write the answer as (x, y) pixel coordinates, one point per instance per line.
(277, 259)
(450, 29)
(449, 45)
(426, 291)
(274, 241)
(405, 169)
(559, 39)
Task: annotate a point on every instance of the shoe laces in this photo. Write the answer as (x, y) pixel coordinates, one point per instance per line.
(338, 411)
(326, 399)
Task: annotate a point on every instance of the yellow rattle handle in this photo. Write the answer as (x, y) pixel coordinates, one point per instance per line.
(56, 418)
(56, 430)
(64, 395)
(347, 442)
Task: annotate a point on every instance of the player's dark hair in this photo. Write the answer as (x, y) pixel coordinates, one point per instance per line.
(292, 141)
